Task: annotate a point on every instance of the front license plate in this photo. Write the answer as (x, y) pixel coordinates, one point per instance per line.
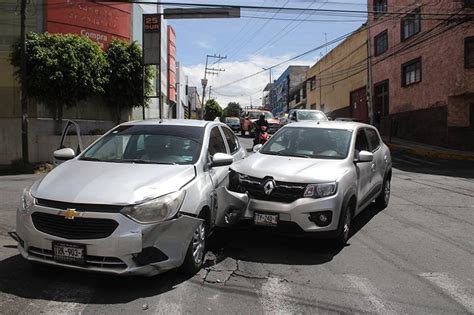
(265, 219)
(69, 253)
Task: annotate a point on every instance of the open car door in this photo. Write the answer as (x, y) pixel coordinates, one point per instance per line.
(66, 145)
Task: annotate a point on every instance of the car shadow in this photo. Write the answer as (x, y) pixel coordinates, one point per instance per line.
(268, 246)
(21, 278)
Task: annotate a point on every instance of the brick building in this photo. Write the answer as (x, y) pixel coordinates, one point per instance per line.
(423, 70)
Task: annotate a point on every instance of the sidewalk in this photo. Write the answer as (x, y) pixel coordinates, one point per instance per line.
(427, 150)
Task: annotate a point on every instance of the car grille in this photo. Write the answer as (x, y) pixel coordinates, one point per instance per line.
(283, 191)
(78, 228)
(91, 261)
(78, 206)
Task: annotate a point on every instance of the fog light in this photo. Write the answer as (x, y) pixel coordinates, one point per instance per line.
(321, 218)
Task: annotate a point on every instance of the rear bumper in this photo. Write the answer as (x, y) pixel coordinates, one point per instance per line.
(119, 253)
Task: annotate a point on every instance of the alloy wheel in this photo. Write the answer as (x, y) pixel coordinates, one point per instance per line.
(387, 191)
(347, 225)
(199, 243)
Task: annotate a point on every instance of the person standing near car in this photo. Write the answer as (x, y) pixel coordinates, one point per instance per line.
(258, 127)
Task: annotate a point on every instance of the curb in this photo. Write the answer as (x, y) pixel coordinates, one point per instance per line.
(431, 153)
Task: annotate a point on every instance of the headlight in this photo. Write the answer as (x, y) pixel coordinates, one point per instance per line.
(27, 200)
(320, 190)
(156, 210)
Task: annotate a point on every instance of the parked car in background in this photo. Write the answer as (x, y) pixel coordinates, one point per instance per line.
(139, 201)
(233, 123)
(283, 117)
(249, 117)
(315, 178)
(296, 115)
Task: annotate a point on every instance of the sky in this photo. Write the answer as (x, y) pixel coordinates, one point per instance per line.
(257, 41)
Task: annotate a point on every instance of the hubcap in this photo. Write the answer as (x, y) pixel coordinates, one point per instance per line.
(387, 191)
(199, 243)
(347, 224)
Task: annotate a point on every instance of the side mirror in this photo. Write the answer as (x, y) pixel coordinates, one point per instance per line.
(221, 159)
(64, 154)
(364, 156)
(257, 147)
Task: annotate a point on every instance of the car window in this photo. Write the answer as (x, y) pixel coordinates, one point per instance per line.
(148, 144)
(374, 140)
(319, 143)
(216, 142)
(361, 141)
(231, 140)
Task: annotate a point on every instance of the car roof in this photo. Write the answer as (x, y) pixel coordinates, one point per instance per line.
(170, 122)
(348, 125)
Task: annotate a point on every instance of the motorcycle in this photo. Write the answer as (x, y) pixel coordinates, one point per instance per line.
(263, 136)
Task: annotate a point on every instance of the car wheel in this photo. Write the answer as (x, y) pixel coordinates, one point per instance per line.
(196, 251)
(384, 197)
(344, 227)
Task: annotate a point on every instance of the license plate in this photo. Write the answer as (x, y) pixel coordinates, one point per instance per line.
(69, 253)
(265, 219)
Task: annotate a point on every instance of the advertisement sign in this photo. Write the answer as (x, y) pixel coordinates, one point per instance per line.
(171, 64)
(100, 21)
(151, 39)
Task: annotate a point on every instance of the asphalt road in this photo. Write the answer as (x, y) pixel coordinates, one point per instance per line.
(414, 257)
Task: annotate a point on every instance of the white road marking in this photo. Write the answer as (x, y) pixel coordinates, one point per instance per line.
(454, 288)
(377, 305)
(273, 297)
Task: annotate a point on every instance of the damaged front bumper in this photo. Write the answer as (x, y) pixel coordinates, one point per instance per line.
(131, 249)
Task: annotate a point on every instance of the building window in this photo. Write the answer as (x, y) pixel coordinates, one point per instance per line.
(381, 43)
(381, 104)
(312, 83)
(380, 7)
(411, 72)
(411, 24)
(469, 52)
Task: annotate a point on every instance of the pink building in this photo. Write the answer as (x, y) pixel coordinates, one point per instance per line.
(423, 70)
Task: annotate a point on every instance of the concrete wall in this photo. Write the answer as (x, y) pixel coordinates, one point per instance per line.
(338, 73)
(445, 83)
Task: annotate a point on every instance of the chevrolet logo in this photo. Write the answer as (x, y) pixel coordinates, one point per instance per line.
(70, 214)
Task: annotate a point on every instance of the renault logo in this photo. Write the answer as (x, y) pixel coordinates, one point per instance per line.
(268, 186)
(70, 214)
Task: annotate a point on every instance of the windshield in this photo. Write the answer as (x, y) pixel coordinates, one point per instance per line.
(311, 115)
(232, 120)
(155, 144)
(317, 143)
(256, 115)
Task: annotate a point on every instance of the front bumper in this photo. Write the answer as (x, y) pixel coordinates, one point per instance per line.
(117, 253)
(298, 212)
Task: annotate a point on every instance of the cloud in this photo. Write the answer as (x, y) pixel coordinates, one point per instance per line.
(245, 90)
(203, 44)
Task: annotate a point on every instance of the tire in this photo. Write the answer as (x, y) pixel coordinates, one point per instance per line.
(383, 199)
(344, 228)
(195, 257)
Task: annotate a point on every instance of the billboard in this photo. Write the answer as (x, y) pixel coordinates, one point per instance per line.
(171, 64)
(100, 21)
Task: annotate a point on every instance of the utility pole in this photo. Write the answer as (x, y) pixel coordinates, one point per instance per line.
(207, 71)
(369, 75)
(23, 74)
(210, 91)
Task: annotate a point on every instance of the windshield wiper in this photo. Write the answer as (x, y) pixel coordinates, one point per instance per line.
(283, 153)
(142, 161)
(91, 159)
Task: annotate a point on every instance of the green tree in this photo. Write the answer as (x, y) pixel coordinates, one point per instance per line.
(212, 110)
(124, 89)
(232, 110)
(62, 69)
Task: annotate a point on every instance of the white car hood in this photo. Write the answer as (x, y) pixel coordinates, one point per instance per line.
(91, 182)
(291, 169)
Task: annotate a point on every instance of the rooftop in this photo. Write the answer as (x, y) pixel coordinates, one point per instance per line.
(169, 122)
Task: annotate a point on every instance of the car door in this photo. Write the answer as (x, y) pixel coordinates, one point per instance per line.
(64, 143)
(363, 169)
(378, 164)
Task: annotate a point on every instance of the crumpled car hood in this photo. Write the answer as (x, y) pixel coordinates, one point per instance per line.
(291, 169)
(79, 181)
